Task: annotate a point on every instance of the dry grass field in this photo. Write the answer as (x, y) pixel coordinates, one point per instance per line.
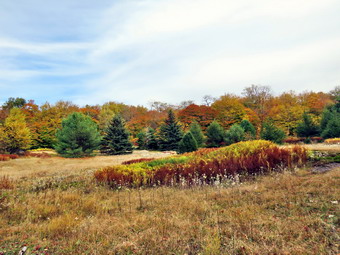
(32, 167)
(53, 206)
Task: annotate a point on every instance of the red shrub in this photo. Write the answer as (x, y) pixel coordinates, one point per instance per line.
(6, 157)
(133, 161)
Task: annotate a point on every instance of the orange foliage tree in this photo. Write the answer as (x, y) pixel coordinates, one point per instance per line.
(202, 114)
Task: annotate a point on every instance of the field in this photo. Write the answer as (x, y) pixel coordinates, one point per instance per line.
(54, 206)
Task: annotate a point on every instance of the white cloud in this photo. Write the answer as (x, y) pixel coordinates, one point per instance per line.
(172, 50)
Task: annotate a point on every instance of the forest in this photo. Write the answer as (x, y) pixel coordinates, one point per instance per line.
(258, 113)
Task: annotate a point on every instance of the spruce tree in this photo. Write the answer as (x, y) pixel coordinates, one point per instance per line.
(307, 128)
(151, 140)
(330, 121)
(249, 130)
(235, 134)
(332, 129)
(187, 144)
(170, 133)
(116, 139)
(272, 133)
(215, 135)
(197, 133)
(78, 136)
(141, 140)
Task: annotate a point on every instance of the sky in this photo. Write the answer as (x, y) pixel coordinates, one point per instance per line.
(139, 51)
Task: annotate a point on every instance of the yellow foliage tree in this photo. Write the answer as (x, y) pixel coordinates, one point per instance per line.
(229, 110)
(16, 135)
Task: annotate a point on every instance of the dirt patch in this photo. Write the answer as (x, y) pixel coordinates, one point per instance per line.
(322, 168)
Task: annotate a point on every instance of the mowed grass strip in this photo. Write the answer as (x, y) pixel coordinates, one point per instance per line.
(287, 213)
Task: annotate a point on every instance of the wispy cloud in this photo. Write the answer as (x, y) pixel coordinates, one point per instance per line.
(171, 50)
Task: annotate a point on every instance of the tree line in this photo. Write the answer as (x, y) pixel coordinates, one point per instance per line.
(116, 128)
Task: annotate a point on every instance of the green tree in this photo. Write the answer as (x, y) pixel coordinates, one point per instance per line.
(307, 128)
(272, 133)
(330, 120)
(141, 140)
(151, 140)
(235, 134)
(116, 139)
(332, 128)
(16, 136)
(197, 133)
(14, 103)
(78, 136)
(170, 133)
(215, 135)
(187, 144)
(249, 130)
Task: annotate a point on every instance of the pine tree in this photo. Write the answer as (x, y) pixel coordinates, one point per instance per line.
(116, 140)
(187, 144)
(307, 128)
(196, 131)
(78, 137)
(170, 133)
(215, 135)
(235, 134)
(16, 136)
(249, 130)
(271, 133)
(151, 140)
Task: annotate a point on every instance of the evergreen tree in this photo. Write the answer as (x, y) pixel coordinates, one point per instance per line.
(215, 135)
(235, 134)
(272, 133)
(332, 129)
(151, 140)
(307, 128)
(116, 139)
(249, 130)
(196, 131)
(170, 133)
(78, 136)
(330, 121)
(141, 140)
(187, 144)
(15, 135)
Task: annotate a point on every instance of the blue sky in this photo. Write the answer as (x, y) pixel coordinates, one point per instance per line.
(137, 51)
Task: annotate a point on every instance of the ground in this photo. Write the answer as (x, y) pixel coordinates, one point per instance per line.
(32, 167)
(53, 206)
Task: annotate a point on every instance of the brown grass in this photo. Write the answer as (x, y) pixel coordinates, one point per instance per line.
(290, 213)
(321, 147)
(56, 166)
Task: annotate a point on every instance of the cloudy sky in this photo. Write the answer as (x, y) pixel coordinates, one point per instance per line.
(137, 51)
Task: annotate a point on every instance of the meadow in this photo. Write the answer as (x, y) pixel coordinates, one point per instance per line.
(56, 206)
